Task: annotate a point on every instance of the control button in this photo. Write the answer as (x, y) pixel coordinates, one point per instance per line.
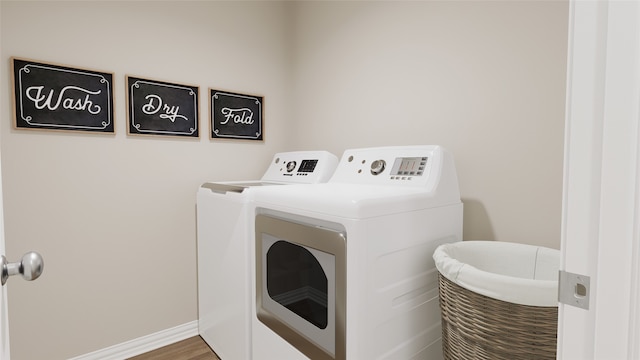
(378, 167)
(291, 165)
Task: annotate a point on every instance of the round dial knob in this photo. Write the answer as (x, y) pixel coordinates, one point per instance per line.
(378, 166)
(291, 165)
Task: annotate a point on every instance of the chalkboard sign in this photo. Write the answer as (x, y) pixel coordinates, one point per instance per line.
(235, 116)
(162, 108)
(48, 96)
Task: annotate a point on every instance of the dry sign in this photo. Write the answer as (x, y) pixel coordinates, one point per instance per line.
(162, 108)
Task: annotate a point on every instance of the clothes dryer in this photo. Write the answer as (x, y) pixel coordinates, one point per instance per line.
(223, 223)
(344, 269)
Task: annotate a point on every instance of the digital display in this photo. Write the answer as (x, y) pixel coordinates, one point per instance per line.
(308, 166)
(409, 166)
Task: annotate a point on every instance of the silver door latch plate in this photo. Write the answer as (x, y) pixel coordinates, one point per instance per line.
(574, 289)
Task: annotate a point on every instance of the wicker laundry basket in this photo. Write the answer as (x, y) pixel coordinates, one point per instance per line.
(498, 300)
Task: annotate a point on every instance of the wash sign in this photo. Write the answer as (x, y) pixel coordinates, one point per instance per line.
(48, 96)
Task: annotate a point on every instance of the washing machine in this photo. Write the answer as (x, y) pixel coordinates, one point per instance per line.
(223, 238)
(344, 269)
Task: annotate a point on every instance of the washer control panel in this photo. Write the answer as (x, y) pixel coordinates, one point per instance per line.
(401, 165)
(301, 167)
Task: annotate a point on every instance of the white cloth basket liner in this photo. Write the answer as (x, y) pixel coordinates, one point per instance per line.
(516, 273)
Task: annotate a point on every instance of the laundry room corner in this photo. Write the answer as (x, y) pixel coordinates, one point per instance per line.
(483, 79)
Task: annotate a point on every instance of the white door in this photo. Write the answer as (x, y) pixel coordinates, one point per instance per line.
(30, 267)
(601, 216)
(4, 321)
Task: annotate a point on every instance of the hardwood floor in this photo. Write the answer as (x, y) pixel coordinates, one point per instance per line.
(193, 348)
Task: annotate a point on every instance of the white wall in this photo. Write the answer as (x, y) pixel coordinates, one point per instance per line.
(485, 79)
(114, 215)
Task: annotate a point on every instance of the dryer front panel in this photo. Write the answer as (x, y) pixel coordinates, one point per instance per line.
(301, 284)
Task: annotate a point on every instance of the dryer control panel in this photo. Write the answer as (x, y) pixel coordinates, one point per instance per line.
(410, 166)
(305, 167)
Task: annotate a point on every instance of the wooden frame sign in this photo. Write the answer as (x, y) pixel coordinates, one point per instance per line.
(162, 108)
(235, 116)
(56, 97)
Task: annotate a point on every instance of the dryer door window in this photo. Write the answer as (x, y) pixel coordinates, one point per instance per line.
(296, 280)
(301, 284)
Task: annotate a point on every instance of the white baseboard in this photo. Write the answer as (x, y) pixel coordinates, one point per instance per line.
(143, 344)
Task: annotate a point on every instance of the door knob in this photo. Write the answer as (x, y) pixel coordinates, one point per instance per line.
(30, 267)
